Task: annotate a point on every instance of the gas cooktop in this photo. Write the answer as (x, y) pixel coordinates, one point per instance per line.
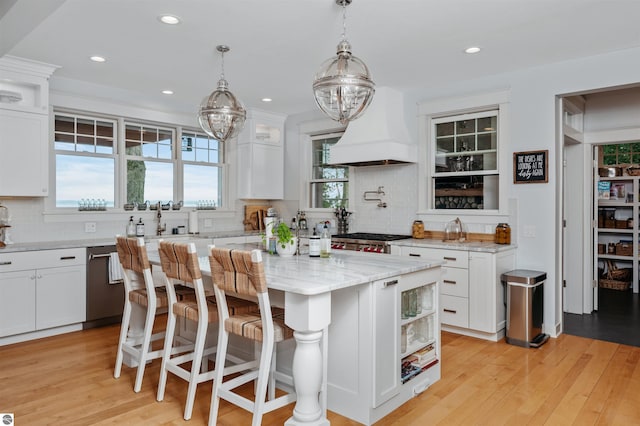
(371, 236)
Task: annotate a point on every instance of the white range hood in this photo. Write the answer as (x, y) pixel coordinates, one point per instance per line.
(379, 136)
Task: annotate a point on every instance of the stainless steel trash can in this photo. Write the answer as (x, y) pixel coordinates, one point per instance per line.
(525, 302)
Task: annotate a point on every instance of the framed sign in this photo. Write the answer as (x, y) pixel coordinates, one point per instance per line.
(530, 166)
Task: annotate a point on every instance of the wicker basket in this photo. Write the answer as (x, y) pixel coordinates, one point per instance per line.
(617, 274)
(609, 223)
(621, 224)
(614, 284)
(633, 171)
(624, 249)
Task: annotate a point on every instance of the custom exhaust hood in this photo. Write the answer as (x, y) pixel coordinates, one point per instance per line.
(379, 137)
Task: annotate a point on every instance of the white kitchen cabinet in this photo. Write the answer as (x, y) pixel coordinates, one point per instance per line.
(24, 127)
(386, 318)
(41, 289)
(24, 161)
(17, 302)
(471, 294)
(487, 311)
(370, 372)
(261, 157)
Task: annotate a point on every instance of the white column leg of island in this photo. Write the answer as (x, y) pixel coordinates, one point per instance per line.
(308, 316)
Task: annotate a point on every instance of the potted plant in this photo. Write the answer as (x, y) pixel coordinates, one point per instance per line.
(286, 242)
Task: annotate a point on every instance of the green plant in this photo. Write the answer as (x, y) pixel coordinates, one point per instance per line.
(283, 234)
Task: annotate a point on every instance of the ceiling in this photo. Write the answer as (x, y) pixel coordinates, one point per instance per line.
(278, 45)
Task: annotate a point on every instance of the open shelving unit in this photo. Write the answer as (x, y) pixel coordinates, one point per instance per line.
(617, 225)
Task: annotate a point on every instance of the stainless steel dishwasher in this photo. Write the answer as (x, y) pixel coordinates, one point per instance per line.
(105, 301)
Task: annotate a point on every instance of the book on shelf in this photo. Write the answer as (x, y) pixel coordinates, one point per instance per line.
(604, 190)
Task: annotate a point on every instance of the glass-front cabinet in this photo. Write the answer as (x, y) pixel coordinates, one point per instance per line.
(465, 167)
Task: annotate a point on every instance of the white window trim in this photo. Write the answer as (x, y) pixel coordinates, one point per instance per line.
(430, 110)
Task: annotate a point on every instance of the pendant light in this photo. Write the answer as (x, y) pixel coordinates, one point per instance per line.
(343, 88)
(221, 114)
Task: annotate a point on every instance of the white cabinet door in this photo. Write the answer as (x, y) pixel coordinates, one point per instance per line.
(24, 161)
(17, 302)
(386, 346)
(486, 293)
(260, 172)
(60, 296)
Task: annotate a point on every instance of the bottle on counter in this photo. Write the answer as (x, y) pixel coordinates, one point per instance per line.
(325, 242)
(314, 245)
(140, 228)
(131, 228)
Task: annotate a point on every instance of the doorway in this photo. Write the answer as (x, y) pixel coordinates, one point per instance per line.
(589, 310)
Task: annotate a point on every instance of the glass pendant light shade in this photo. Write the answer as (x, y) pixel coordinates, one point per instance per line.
(343, 88)
(221, 114)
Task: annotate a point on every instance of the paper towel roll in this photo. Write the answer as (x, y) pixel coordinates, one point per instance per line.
(193, 222)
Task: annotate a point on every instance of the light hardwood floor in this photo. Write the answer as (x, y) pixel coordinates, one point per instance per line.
(571, 380)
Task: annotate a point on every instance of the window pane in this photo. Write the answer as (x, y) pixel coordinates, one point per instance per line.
(444, 145)
(466, 192)
(465, 126)
(444, 129)
(329, 194)
(149, 180)
(81, 177)
(202, 183)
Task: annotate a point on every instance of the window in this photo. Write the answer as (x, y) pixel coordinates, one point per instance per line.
(202, 175)
(85, 161)
(329, 185)
(465, 171)
(620, 154)
(92, 159)
(148, 153)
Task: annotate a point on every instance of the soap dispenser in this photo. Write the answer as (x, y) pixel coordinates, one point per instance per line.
(140, 229)
(131, 228)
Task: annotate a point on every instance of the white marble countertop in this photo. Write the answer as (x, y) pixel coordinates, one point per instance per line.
(63, 244)
(480, 246)
(314, 275)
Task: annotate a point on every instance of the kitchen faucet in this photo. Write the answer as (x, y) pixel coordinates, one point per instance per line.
(161, 228)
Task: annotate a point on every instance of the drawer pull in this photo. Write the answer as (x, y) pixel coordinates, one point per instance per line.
(449, 282)
(414, 254)
(67, 257)
(7, 262)
(450, 311)
(453, 259)
(390, 283)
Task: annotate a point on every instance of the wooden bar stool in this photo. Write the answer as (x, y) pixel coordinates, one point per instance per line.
(241, 273)
(139, 291)
(180, 266)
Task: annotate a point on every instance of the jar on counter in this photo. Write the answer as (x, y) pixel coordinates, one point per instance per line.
(503, 233)
(417, 229)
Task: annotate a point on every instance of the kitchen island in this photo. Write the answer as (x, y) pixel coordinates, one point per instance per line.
(357, 298)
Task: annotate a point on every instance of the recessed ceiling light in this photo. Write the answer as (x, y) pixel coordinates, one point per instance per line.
(169, 19)
(266, 99)
(98, 59)
(473, 49)
(168, 92)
